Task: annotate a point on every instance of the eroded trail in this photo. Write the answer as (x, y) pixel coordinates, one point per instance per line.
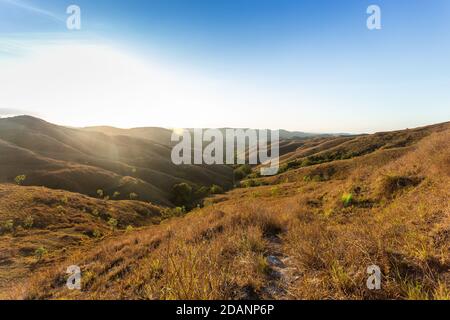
(282, 272)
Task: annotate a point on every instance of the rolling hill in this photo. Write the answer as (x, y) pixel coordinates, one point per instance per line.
(86, 160)
(340, 205)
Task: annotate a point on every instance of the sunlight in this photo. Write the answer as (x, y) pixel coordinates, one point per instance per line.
(87, 84)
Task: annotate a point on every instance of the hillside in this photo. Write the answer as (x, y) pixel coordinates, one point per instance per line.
(308, 233)
(84, 161)
(36, 219)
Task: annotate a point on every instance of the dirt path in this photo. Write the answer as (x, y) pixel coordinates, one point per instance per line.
(283, 273)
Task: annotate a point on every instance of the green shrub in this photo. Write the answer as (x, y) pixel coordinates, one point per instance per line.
(182, 194)
(97, 233)
(113, 223)
(262, 266)
(239, 174)
(215, 189)
(249, 183)
(347, 199)
(173, 212)
(242, 171)
(7, 226)
(20, 179)
(116, 194)
(202, 192)
(40, 253)
(306, 163)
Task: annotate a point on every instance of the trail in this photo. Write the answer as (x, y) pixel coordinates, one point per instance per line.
(283, 273)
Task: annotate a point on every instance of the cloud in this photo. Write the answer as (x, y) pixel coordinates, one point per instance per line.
(34, 9)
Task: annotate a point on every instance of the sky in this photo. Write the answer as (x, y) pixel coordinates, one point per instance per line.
(297, 65)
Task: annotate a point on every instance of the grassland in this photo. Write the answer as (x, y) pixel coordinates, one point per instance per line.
(308, 233)
(86, 160)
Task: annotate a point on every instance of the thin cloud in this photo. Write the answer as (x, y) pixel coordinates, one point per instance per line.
(36, 10)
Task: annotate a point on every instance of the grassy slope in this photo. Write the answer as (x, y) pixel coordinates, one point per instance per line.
(293, 238)
(57, 221)
(84, 161)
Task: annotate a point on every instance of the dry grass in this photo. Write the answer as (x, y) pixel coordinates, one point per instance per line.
(398, 218)
(39, 227)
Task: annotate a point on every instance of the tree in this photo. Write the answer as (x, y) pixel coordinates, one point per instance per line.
(182, 194)
(242, 171)
(202, 192)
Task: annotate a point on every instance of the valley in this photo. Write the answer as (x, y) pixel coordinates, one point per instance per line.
(339, 205)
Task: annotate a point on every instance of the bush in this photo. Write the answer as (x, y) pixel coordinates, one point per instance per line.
(242, 171)
(249, 183)
(100, 193)
(182, 194)
(20, 179)
(113, 223)
(173, 212)
(239, 174)
(28, 222)
(347, 199)
(202, 192)
(97, 233)
(116, 194)
(40, 253)
(7, 226)
(215, 189)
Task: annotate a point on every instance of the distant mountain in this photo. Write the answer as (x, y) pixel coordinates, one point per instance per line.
(284, 134)
(162, 135)
(159, 135)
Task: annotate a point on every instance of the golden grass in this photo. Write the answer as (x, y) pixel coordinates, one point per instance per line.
(398, 219)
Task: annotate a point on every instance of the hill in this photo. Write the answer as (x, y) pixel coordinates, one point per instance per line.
(84, 161)
(310, 232)
(35, 221)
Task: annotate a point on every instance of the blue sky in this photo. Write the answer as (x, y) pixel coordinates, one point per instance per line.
(298, 65)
